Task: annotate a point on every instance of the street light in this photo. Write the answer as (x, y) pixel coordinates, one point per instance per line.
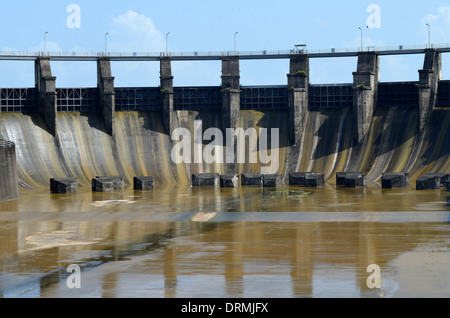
(429, 38)
(167, 47)
(45, 39)
(106, 48)
(235, 35)
(361, 38)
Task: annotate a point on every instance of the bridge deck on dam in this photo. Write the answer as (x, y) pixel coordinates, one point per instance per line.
(402, 94)
(243, 55)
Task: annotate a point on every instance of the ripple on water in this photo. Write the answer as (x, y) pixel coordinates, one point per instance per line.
(430, 206)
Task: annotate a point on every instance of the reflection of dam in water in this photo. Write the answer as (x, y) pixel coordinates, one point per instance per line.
(146, 244)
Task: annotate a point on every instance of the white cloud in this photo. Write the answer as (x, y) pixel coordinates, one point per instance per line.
(16, 73)
(321, 22)
(196, 73)
(392, 68)
(399, 68)
(332, 70)
(439, 26)
(133, 32)
(50, 46)
(75, 74)
(355, 43)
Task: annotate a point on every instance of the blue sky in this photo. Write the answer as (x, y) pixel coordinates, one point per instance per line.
(195, 25)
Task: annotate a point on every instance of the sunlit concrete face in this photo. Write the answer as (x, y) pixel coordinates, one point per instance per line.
(229, 242)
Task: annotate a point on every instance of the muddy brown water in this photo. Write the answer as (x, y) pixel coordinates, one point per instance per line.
(179, 241)
(212, 242)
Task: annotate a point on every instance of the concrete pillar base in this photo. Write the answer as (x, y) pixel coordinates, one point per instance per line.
(315, 180)
(250, 179)
(143, 183)
(63, 185)
(102, 184)
(427, 182)
(391, 180)
(443, 177)
(272, 180)
(229, 181)
(351, 179)
(205, 179)
(307, 179)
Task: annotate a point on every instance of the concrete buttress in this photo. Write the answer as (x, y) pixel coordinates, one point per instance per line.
(365, 90)
(105, 84)
(298, 84)
(429, 78)
(46, 90)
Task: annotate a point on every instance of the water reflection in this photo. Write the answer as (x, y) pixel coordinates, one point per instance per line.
(284, 242)
(182, 198)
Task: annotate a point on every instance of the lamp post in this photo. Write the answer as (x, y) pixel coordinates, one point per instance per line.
(361, 39)
(429, 37)
(45, 40)
(235, 47)
(106, 47)
(167, 45)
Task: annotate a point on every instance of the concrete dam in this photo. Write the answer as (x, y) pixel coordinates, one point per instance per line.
(185, 241)
(365, 126)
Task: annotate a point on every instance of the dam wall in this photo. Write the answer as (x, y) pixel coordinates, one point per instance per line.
(83, 148)
(364, 126)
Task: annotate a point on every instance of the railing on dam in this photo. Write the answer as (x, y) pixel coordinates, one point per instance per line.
(137, 99)
(330, 96)
(264, 97)
(265, 54)
(390, 94)
(443, 96)
(401, 94)
(22, 100)
(197, 98)
(76, 99)
(209, 98)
